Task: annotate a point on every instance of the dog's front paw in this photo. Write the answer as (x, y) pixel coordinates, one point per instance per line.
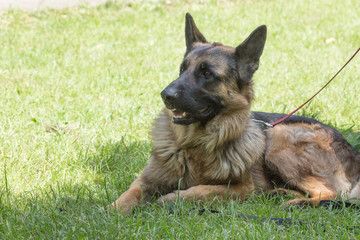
(123, 207)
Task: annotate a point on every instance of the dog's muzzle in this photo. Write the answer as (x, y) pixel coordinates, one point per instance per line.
(169, 96)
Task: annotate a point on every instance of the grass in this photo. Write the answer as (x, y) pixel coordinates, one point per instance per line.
(80, 88)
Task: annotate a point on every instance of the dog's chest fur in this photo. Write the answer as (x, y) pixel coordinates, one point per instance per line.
(179, 164)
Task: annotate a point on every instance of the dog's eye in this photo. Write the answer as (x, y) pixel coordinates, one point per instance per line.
(206, 73)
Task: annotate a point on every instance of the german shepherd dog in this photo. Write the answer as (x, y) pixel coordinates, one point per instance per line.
(207, 143)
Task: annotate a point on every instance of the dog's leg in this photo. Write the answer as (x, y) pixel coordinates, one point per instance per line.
(211, 192)
(129, 199)
(318, 190)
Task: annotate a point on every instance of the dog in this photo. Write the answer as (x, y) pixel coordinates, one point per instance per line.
(208, 144)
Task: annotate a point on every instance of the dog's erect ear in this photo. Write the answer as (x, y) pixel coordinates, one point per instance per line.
(192, 33)
(248, 53)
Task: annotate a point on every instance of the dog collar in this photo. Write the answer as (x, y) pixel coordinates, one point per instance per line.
(263, 123)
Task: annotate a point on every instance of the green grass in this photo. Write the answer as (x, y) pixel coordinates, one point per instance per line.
(80, 89)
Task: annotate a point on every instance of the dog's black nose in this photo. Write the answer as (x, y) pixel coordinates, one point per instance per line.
(169, 95)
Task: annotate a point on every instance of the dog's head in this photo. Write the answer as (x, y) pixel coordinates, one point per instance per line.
(211, 73)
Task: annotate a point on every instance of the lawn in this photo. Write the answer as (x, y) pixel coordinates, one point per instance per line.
(80, 89)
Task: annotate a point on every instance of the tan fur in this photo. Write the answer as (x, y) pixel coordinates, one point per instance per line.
(303, 150)
(318, 190)
(212, 192)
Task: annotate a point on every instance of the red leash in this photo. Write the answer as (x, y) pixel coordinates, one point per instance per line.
(287, 116)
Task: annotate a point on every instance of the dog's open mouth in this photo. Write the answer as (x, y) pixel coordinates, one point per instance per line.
(177, 114)
(186, 118)
(181, 117)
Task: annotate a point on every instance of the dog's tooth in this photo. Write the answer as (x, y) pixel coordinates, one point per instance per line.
(184, 114)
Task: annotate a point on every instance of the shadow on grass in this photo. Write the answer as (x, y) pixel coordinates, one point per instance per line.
(117, 156)
(67, 208)
(72, 209)
(116, 164)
